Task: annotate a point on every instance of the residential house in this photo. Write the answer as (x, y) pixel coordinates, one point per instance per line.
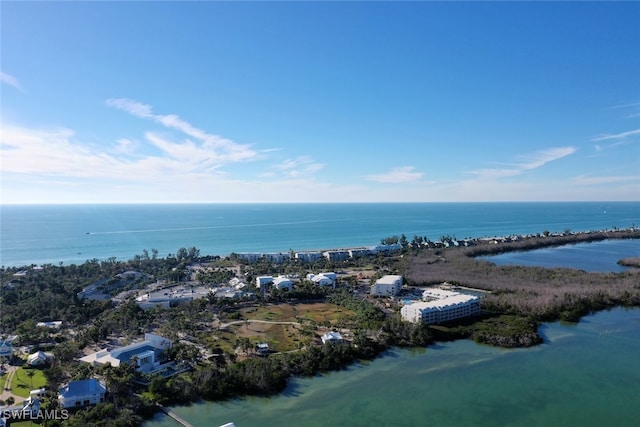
(262, 349)
(147, 354)
(82, 393)
(323, 279)
(39, 358)
(331, 337)
(282, 282)
(6, 348)
(263, 281)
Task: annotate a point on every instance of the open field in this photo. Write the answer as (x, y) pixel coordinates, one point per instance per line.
(306, 318)
(323, 313)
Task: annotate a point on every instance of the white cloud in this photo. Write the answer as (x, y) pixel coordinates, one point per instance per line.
(299, 166)
(397, 175)
(528, 162)
(10, 80)
(125, 146)
(621, 135)
(216, 146)
(598, 180)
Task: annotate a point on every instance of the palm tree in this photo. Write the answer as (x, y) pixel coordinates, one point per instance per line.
(30, 374)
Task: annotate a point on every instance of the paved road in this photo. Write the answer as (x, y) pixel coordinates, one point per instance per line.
(6, 393)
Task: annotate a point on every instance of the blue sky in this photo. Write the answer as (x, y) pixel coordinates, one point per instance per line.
(319, 102)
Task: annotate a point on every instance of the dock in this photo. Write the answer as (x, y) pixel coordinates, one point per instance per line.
(175, 416)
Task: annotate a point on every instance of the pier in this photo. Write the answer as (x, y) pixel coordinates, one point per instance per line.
(175, 416)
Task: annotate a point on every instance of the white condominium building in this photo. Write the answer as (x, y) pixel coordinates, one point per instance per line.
(449, 306)
(387, 286)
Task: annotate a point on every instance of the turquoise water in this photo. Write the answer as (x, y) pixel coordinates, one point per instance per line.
(593, 257)
(584, 374)
(42, 234)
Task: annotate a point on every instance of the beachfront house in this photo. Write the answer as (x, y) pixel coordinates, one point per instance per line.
(77, 394)
(388, 285)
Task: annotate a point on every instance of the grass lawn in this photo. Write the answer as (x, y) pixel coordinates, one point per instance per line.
(319, 312)
(3, 379)
(22, 384)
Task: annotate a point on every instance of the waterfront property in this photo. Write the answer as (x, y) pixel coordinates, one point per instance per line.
(77, 394)
(262, 349)
(389, 285)
(331, 336)
(308, 256)
(146, 354)
(440, 306)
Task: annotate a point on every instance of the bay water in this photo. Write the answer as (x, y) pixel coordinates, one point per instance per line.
(584, 374)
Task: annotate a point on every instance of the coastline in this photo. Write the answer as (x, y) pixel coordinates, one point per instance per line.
(505, 325)
(514, 330)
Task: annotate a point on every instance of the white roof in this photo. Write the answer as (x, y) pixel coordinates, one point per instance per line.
(445, 302)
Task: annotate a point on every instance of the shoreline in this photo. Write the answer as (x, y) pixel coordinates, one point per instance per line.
(508, 323)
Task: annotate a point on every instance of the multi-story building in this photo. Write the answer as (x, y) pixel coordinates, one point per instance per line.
(308, 256)
(389, 285)
(441, 306)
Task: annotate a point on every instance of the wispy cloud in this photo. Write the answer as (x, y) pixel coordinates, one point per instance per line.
(526, 162)
(597, 180)
(397, 175)
(299, 166)
(634, 107)
(212, 146)
(10, 80)
(616, 136)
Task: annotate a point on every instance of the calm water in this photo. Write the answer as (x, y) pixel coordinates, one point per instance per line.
(75, 233)
(583, 375)
(593, 257)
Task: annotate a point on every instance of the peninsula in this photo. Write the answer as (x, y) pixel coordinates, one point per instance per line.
(217, 327)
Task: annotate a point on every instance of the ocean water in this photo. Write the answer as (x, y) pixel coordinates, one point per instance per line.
(40, 234)
(585, 374)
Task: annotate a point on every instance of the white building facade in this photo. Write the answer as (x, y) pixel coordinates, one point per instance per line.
(81, 393)
(389, 285)
(448, 306)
